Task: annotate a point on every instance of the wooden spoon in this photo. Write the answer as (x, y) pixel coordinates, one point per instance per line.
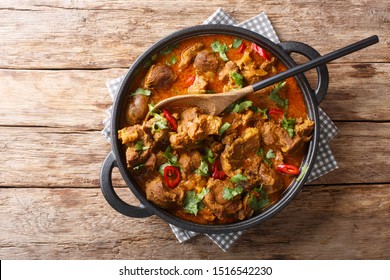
(214, 104)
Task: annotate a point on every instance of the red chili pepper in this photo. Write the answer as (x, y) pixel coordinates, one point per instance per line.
(241, 48)
(260, 51)
(275, 113)
(288, 169)
(170, 119)
(216, 173)
(190, 80)
(172, 176)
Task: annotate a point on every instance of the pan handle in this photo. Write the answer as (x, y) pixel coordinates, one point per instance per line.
(110, 195)
(310, 53)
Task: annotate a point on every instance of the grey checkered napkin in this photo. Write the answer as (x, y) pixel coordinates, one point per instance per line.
(325, 161)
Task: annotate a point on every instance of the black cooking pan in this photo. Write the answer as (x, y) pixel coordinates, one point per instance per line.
(116, 158)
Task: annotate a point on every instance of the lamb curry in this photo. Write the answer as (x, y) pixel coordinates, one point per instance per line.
(214, 169)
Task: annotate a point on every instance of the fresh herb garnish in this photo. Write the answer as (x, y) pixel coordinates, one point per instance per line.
(257, 203)
(276, 98)
(159, 124)
(223, 128)
(270, 154)
(171, 61)
(229, 193)
(288, 124)
(203, 169)
(141, 91)
(171, 158)
(193, 201)
(238, 79)
(160, 121)
(139, 146)
(221, 49)
(239, 107)
(258, 110)
(266, 159)
(209, 156)
(238, 179)
(236, 43)
(303, 172)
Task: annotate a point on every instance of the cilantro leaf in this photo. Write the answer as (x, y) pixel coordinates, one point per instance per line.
(203, 169)
(139, 146)
(223, 128)
(270, 154)
(276, 98)
(289, 124)
(170, 157)
(239, 107)
(171, 61)
(229, 193)
(141, 91)
(257, 203)
(238, 178)
(236, 43)
(209, 156)
(238, 79)
(193, 201)
(221, 49)
(258, 110)
(260, 152)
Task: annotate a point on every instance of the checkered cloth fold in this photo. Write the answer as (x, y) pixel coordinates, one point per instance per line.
(324, 163)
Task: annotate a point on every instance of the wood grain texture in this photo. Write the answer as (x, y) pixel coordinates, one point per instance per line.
(78, 224)
(63, 29)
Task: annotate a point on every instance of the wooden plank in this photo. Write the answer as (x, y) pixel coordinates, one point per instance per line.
(83, 35)
(321, 223)
(43, 157)
(361, 150)
(78, 99)
(72, 99)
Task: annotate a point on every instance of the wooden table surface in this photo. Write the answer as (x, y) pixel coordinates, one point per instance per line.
(55, 59)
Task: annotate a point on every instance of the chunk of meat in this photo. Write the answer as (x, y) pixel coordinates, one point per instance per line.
(234, 155)
(199, 85)
(150, 163)
(159, 76)
(188, 55)
(226, 75)
(137, 108)
(214, 199)
(251, 171)
(250, 69)
(205, 61)
(130, 136)
(189, 161)
(268, 132)
(303, 132)
(304, 129)
(271, 179)
(162, 196)
(160, 136)
(246, 211)
(192, 131)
